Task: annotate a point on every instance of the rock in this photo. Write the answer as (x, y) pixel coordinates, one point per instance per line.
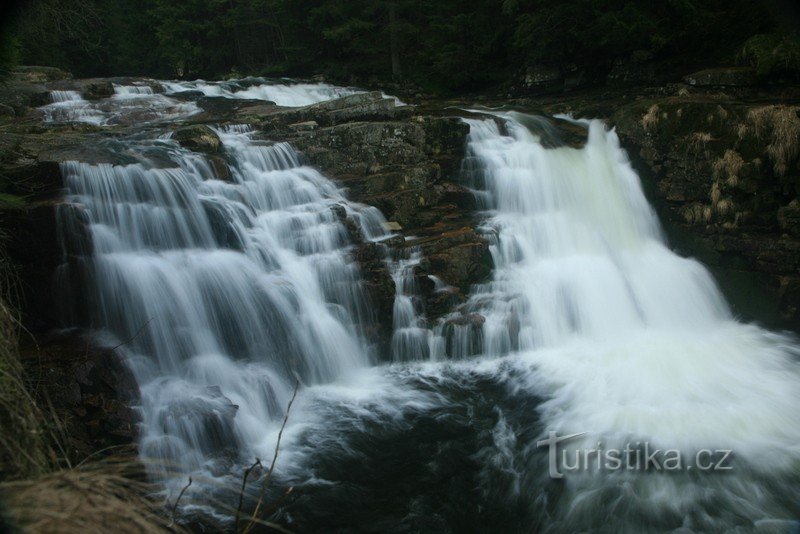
(90, 389)
(370, 106)
(206, 419)
(392, 226)
(732, 76)
(305, 126)
(463, 334)
(98, 90)
(220, 168)
(220, 105)
(541, 79)
(723, 176)
(459, 257)
(31, 74)
(199, 138)
(789, 218)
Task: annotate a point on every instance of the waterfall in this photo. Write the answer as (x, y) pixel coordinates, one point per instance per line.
(591, 326)
(129, 105)
(289, 94)
(227, 291)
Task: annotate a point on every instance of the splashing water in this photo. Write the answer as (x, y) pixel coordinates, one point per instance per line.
(228, 289)
(130, 104)
(283, 94)
(592, 325)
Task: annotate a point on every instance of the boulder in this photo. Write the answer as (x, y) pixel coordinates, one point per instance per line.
(199, 138)
(97, 90)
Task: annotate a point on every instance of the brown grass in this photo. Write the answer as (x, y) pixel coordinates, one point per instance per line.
(728, 167)
(103, 496)
(650, 119)
(25, 438)
(782, 126)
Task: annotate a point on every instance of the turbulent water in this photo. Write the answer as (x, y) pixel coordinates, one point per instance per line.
(231, 292)
(137, 104)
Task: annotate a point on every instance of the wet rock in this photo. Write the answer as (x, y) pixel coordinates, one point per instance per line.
(220, 105)
(732, 76)
(789, 218)
(357, 107)
(463, 334)
(725, 181)
(379, 287)
(220, 167)
(90, 389)
(459, 257)
(98, 90)
(206, 420)
(199, 138)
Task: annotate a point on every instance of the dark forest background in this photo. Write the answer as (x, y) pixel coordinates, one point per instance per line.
(440, 45)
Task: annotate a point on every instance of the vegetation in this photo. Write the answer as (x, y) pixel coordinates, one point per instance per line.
(442, 44)
(25, 446)
(773, 54)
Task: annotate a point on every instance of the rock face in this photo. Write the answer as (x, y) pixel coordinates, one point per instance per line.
(199, 138)
(97, 90)
(726, 174)
(90, 390)
(408, 166)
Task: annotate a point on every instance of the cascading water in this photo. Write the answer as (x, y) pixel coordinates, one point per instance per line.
(227, 291)
(410, 336)
(593, 327)
(130, 104)
(289, 94)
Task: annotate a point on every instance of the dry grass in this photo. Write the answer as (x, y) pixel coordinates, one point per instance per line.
(25, 438)
(728, 167)
(104, 496)
(782, 126)
(650, 119)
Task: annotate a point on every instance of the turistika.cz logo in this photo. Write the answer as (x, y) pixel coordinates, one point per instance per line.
(637, 456)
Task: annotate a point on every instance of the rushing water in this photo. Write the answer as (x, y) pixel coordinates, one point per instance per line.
(230, 292)
(139, 103)
(283, 93)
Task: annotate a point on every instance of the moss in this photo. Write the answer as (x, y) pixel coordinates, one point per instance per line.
(773, 54)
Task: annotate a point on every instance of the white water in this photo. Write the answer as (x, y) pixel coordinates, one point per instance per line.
(227, 290)
(629, 342)
(130, 104)
(623, 340)
(283, 94)
(137, 104)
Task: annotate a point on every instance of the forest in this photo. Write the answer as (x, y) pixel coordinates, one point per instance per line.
(442, 46)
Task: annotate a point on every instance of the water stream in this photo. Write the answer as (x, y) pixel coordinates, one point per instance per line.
(233, 291)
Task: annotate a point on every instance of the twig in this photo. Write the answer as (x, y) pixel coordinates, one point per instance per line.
(241, 492)
(274, 459)
(134, 336)
(175, 506)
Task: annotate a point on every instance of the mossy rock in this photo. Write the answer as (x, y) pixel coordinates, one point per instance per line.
(199, 138)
